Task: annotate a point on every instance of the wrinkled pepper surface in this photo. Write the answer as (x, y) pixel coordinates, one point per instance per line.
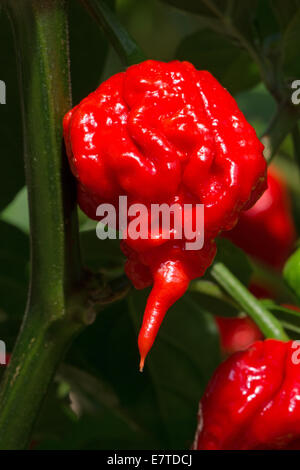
(253, 400)
(267, 230)
(165, 133)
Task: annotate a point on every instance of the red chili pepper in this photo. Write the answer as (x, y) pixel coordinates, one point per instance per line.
(253, 400)
(237, 334)
(165, 133)
(267, 230)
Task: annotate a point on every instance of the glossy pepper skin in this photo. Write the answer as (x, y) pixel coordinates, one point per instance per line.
(267, 230)
(237, 333)
(253, 400)
(163, 133)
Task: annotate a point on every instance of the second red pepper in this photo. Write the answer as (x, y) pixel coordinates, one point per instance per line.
(253, 400)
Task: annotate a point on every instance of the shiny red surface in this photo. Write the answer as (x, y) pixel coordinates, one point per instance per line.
(237, 334)
(253, 400)
(165, 132)
(267, 230)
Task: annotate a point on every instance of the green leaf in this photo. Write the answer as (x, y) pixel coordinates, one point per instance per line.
(88, 51)
(163, 400)
(210, 51)
(290, 319)
(222, 15)
(56, 418)
(17, 213)
(180, 364)
(265, 20)
(99, 421)
(101, 254)
(234, 259)
(14, 259)
(290, 42)
(291, 272)
(126, 47)
(285, 11)
(12, 166)
(193, 6)
(213, 301)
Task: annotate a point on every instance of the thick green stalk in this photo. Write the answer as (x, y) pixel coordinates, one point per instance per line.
(40, 30)
(268, 324)
(128, 50)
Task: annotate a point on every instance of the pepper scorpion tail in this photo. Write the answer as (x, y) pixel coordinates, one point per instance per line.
(170, 283)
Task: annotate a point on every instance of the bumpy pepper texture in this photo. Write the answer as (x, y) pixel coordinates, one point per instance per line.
(165, 133)
(267, 230)
(253, 400)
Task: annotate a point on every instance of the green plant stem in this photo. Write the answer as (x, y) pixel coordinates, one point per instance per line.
(128, 50)
(268, 324)
(40, 31)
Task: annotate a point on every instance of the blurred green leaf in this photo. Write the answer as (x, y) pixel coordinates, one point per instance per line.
(179, 366)
(285, 11)
(163, 400)
(230, 64)
(291, 39)
(194, 6)
(227, 16)
(258, 107)
(101, 254)
(265, 22)
(234, 259)
(56, 418)
(290, 319)
(14, 258)
(88, 51)
(12, 167)
(17, 213)
(99, 422)
(211, 299)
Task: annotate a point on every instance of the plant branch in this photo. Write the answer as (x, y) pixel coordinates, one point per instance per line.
(40, 31)
(268, 324)
(128, 50)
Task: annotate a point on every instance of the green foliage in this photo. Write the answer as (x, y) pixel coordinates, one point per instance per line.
(289, 318)
(85, 44)
(285, 11)
(291, 38)
(14, 254)
(291, 272)
(226, 16)
(235, 260)
(123, 408)
(211, 51)
(102, 255)
(12, 171)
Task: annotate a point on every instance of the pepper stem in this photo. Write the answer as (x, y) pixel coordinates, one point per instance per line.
(41, 39)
